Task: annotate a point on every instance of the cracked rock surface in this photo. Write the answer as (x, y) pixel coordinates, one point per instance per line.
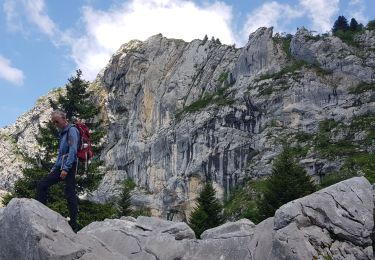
(334, 223)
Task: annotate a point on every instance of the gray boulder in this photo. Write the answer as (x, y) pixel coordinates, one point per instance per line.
(33, 231)
(337, 221)
(240, 228)
(29, 230)
(333, 223)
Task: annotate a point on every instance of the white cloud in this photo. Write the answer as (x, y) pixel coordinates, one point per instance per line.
(282, 16)
(10, 73)
(105, 31)
(321, 12)
(271, 14)
(17, 11)
(356, 9)
(140, 19)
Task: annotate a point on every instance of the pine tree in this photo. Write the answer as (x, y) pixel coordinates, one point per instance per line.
(208, 213)
(124, 203)
(341, 24)
(288, 182)
(76, 103)
(354, 26)
(205, 39)
(198, 221)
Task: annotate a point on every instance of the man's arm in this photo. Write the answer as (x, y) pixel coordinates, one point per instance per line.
(73, 139)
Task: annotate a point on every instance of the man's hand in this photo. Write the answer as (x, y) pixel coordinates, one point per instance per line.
(63, 174)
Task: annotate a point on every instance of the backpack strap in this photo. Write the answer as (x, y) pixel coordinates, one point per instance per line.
(78, 145)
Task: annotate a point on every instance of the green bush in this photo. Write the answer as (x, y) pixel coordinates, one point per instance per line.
(361, 88)
(244, 201)
(347, 37)
(371, 25)
(90, 212)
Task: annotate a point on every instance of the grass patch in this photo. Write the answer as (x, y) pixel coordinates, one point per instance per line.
(303, 137)
(332, 178)
(243, 202)
(315, 38)
(362, 123)
(284, 41)
(357, 160)
(223, 77)
(219, 97)
(299, 151)
(296, 65)
(348, 37)
(321, 72)
(267, 91)
(363, 162)
(258, 185)
(329, 148)
(361, 88)
(143, 211)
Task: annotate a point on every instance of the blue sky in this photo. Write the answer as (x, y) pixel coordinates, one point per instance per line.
(43, 42)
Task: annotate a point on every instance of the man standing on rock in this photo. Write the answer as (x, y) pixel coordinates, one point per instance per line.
(65, 166)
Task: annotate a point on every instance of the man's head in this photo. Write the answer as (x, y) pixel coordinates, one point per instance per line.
(59, 119)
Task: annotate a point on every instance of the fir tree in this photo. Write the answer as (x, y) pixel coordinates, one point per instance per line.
(354, 26)
(124, 203)
(288, 182)
(205, 39)
(198, 221)
(341, 24)
(208, 213)
(76, 103)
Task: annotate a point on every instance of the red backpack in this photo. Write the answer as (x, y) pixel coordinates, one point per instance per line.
(84, 152)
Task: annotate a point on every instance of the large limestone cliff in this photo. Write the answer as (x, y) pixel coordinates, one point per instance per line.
(166, 151)
(180, 113)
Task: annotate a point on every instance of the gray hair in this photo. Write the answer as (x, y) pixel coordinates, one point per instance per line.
(59, 113)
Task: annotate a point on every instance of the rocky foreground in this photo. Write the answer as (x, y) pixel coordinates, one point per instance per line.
(333, 223)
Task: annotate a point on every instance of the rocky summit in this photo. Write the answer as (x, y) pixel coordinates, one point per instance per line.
(334, 223)
(178, 114)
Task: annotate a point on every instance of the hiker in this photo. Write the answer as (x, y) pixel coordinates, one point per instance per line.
(65, 166)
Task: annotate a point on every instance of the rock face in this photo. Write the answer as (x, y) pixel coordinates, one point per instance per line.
(19, 138)
(168, 152)
(182, 113)
(334, 223)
